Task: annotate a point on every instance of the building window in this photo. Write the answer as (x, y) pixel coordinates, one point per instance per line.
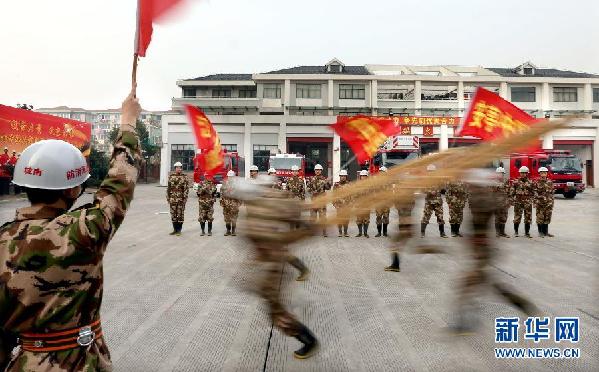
(262, 155)
(272, 90)
(524, 94)
(183, 154)
(565, 94)
(528, 71)
(247, 93)
(229, 147)
(390, 95)
(307, 91)
(352, 91)
(189, 92)
(221, 93)
(595, 94)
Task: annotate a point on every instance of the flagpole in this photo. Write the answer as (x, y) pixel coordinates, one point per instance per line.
(135, 49)
(134, 72)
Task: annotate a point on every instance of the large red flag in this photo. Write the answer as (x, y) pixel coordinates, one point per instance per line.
(490, 117)
(148, 12)
(211, 158)
(364, 134)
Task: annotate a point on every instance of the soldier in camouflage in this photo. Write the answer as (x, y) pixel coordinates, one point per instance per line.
(456, 196)
(522, 195)
(177, 190)
(382, 215)
(230, 205)
(483, 205)
(278, 184)
(544, 202)
(296, 184)
(253, 172)
(501, 194)
(399, 241)
(317, 185)
(341, 204)
(269, 213)
(206, 199)
(51, 259)
(363, 214)
(433, 202)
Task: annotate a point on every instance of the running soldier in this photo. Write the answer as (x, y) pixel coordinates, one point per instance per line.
(456, 196)
(269, 212)
(404, 211)
(341, 204)
(501, 190)
(296, 184)
(230, 205)
(522, 194)
(206, 199)
(51, 259)
(363, 214)
(483, 205)
(316, 186)
(544, 202)
(382, 214)
(177, 190)
(433, 202)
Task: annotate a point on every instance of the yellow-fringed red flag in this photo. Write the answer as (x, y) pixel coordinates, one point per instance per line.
(490, 117)
(211, 157)
(364, 134)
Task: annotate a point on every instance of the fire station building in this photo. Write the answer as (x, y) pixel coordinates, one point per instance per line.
(289, 110)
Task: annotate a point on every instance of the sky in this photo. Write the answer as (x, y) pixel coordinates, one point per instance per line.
(79, 53)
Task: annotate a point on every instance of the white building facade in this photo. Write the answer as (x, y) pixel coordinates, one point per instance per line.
(289, 110)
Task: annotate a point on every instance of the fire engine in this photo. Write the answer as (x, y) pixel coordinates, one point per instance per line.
(283, 163)
(396, 150)
(564, 169)
(232, 162)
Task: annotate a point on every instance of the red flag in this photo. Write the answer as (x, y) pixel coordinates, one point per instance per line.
(148, 12)
(211, 158)
(364, 134)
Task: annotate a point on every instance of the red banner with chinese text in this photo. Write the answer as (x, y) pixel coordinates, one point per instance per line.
(20, 128)
(211, 159)
(364, 134)
(428, 131)
(452, 121)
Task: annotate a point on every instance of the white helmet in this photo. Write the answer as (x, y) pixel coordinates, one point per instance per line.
(431, 168)
(294, 168)
(231, 173)
(364, 172)
(499, 170)
(51, 165)
(343, 172)
(271, 170)
(318, 167)
(383, 169)
(543, 169)
(524, 169)
(254, 168)
(177, 164)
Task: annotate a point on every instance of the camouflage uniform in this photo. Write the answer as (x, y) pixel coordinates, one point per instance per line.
(362, 217)
(177, 191)
(317, 185)
(341, 206)
(206, 199)
(433, 202)
(296, 187)
(51, 274)
(382, 219)
(278, 185)
(522, 195)
(483, 205)
(230, 208)
(456, 196)
(501, 194)
(543, 202)
(404, 211)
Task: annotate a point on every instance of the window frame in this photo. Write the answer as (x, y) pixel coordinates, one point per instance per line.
(565, 94)
(521, 93)
(596, 95)
(356, 91)
(271, 87)
(185, 154)
(189, 89)
(308, 91)
(261, 159)
(218, 92)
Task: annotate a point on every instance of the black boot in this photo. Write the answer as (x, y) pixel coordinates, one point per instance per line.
(299, 264)
(340, 228)
(310, 344)
(540, 230)
(527, 230)
(457, 230)
(228, 226)
(233, 226)
(359, 230)
(209, 228)
(422, 229)
(497, 230)
(442, 231)
(379, 227)
(546, 226)
(516, 226)
(366, 230)
(324, 233)
(174, 229)
(203, 226)
(179, 228)
(394, 263)
(385, 229)
(502, 231)
(452, 228)
(345, 234)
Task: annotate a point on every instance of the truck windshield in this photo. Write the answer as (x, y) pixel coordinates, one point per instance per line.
(565, 165)
(285, 163)
(397, 157)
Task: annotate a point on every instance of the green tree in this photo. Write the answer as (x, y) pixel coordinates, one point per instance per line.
(144, 138)
(99, 164)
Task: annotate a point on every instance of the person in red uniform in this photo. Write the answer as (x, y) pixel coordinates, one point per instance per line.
(5, 175)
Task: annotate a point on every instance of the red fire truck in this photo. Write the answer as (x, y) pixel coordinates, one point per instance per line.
(565, 169)
(232, 162)
(396, 150)
(283, 163)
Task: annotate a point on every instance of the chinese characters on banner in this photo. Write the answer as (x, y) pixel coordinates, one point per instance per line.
(451, 121)
(20, 128)
(211, 158)
(428, 131)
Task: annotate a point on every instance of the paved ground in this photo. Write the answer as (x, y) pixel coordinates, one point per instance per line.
(178, 303)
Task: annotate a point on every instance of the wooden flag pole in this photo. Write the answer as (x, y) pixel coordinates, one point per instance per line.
(134, 72)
